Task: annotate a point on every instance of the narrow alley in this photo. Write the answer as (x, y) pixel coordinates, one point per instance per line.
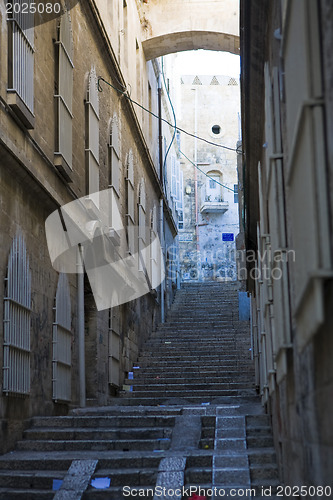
(191, 421)
(166, 249)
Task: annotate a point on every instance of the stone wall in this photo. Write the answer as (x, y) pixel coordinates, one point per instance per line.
(207, 102)
(288, 214)
(32, 188)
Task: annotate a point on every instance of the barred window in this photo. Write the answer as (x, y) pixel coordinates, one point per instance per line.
(64, 96)
(142, 264)
(21, 64)
(62, 340)
(92, 134)
(130, 203)
(17, 317)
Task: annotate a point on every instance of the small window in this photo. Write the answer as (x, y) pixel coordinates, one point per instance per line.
(20, 93)
(235, 193)
(216, 129)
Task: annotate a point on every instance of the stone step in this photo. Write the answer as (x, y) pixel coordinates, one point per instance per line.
(60, 462)
(93, 445)
(189, 363)
(116, 493)
(262, 456)
(129, 476)
(264, 471)
(189, 392)
(26, 479)
(188, 400)
(103, 421)
(199, 475)
(188, 378)
(260, 441)
(25, 494)
(82, 434)
(194, 386)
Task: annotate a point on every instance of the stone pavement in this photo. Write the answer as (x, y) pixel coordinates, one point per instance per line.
(191, 418)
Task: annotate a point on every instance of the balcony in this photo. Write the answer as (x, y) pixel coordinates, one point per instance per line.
(214, 206)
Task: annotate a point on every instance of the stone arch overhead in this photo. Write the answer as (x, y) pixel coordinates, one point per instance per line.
(170, 26)
(191, 40)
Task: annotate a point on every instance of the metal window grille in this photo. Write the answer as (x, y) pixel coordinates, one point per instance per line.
(92, 145)
(142, 227)
(21, 77)
(65, 89)
(130, 203)
(61, 343)
(17, 311)
(114, 156)
(154, 251)
(114, 347)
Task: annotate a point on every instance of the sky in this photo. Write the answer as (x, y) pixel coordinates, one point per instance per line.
(207, 62)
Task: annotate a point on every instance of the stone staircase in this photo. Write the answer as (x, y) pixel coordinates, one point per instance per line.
(192, 418)
(201, 354)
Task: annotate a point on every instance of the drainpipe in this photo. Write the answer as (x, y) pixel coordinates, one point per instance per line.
(162, 244)
(160, 134)
(80, 327)
(196, 163)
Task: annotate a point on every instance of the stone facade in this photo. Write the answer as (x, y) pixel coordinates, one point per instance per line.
(288, 176)
(102, 39)
(209, 108)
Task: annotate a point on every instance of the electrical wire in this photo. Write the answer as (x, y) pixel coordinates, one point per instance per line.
(174, 117)
(125, 94)
(209, 177)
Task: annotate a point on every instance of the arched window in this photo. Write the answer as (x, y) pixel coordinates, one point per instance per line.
(130, 202)
(62, 341)
(142, 264)
(17, 312)
(63, 152)
(213, 186)
(92, 137)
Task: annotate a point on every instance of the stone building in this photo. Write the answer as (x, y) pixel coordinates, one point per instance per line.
(64, 135)
(208, 108)
(287, 110)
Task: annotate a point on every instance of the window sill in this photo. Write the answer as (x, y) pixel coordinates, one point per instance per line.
(20, 109)
(63, 167)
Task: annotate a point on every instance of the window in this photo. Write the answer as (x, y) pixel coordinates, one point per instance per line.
(213, 186)
(142, 228)
(17, 312)
(235, 193)
(155, 251)
(64, 96)
(130, 202)
(181, 220)
(21, 65)
(114, 155)
(173, 177)
(216, 129)
(114, 347)
(92, 135)
(62, 342)
(150, 116)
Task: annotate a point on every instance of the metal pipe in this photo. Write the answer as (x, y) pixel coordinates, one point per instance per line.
(80, 326)
(162, 245)
(195, 169)
(160, 134)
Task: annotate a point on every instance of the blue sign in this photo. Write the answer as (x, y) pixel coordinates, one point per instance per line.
(227, 236)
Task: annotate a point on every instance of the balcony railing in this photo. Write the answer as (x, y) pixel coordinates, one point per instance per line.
(214, 206)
